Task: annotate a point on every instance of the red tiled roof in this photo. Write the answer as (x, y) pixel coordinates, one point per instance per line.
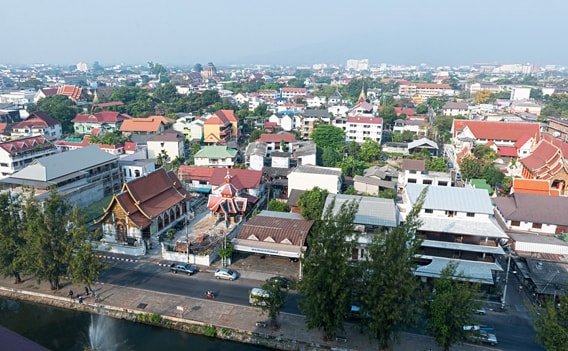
(130, 146)
(507, 151)
(365, 120)
(558, 143)
(25, 144)
(279, 230)
(71, 91)
(241, 178)
(406, 110)
(100, 117)
(49, 91)
(37, 119)
(3, 127)
(545, 160)
(276, 138)
(227, 115)
(297, 90)
(149, 124)
(533, 186)
(147, 197)
(432, 86)
(489, 130)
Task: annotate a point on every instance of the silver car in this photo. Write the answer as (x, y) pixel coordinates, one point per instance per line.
(226, 273)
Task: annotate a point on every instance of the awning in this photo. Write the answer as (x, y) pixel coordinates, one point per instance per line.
(268, 248)
(496, 250)
(474, 271)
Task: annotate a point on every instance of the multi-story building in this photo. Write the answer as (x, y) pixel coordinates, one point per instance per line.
(457, 225)
(558, 128)
(37, 123)
(359, 129)
(221, 127)
(216, 156)
(424, 90)
(16, 154)
(80, 176)
(415, 172)
(307, 177)
(357, 65)
(278, 142)
(290, 93)
(105, 120)
(169, 142)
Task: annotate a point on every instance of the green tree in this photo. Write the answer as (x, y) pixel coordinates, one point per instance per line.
(166, 93)
(391, 297)
(32, 83)
(330, 157)
(261, 110)
(326, 135)
(370, 151)
(388, 114)
(277, 205)
(451, 307)
(12, 245)
(442, 127)
(421, 109)
(405, 136)
(552, 325)
(198, 67)
(492, 175)
(273, 302)
(484, 153)
(311, 203)
(328, 277)
(352, 148)
(437, 164)
(471, 168)
(255, 134)
(61, 108)
(351, 166)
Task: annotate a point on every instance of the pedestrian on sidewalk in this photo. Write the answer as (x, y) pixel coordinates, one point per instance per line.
(86, 291)
(80, 299)
(71, 294)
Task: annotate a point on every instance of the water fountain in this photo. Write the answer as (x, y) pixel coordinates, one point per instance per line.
(103, 334)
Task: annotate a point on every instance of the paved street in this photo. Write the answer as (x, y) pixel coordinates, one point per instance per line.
(513, 327)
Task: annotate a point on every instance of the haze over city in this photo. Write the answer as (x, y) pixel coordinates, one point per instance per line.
(295, 32)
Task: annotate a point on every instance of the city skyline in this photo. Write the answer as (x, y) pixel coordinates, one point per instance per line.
(178, 32)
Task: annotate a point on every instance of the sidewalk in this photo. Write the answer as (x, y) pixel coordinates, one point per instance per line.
(219, 314)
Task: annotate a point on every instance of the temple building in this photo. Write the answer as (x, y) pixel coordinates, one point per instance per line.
(227, 204)
(146, 207)
(547, 162)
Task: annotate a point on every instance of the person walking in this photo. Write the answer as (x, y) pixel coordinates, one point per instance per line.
(87, 291)
(71, 294)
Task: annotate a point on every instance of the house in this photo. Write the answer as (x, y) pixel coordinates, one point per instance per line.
(291, 93)
(307, 177)
(207, 180)
(547, 162)
(17, 154)
(415, 173)
(216, 156)
(457, 226)
(274, 233)
(422, 91)
(106, 120)
(500, 133)
(80, 176)
(452, 108)
(282, 141)
(558, 128)
(304, 152)
(423, 144)
(255, 155)
(221, 127)
(315, 101)
(133, 169)
(148, 125)
(533, 213)
(306, 121)
(190, 126)
(361, 128)
(362, 107)
(71, 91)
(374, 215)
(525, 106)
(144, 208)
(414, 126)
(170, 143)
(37, 123)
(371, 185)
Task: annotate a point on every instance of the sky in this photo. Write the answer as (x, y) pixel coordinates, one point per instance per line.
(290, 32)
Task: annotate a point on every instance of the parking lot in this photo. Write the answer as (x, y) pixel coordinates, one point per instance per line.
(272, 265)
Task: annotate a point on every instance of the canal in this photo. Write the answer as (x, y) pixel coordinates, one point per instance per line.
(60, 329)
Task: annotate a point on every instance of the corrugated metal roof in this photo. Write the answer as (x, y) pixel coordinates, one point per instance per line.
(497, 250)
(372, 210)
(452, 198)
(462, 226)
(318, 170)
(469, 270)
(216, 152)
(55, 166)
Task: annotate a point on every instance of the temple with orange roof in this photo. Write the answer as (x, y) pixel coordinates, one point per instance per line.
(547, 162)
(226, 203)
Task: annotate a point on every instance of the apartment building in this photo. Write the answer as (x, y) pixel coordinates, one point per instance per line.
(359, 129)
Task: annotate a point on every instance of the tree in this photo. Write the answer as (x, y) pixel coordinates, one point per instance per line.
(388, 114)
(273, 302)
(12, 244)
(421, 109)
(536, 94)
(32, 83)
(391, 297)
(481, 97)
(311, 203)
(471, 168)
(261, 110)
(328, 277)
(451, 307)
(552, 325)
(198, 67)
(166, 93)
(330, 157)
(492, 175)
(326, 135)
(405, 136)
(277, 205)
(61, 108)
(370, 151)
(255, 134)
(163, 158)
(437, 164)
(351, 166)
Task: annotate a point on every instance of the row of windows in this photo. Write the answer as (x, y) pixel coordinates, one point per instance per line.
(450, 213)
(534, 225)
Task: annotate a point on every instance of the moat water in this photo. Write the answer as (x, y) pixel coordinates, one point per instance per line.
(60, 329)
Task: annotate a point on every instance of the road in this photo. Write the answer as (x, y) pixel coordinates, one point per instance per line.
(514, 331)
(157, 278)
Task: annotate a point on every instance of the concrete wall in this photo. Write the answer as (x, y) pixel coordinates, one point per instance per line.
(202, 260)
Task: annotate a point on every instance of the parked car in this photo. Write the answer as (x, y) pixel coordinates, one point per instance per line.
(226, 273)
(481, 336)
(480, 311)
(283, 282)
(184, 268)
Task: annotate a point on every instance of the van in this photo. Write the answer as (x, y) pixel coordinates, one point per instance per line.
(257, 296)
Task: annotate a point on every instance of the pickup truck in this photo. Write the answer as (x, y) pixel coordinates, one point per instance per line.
(183, 268)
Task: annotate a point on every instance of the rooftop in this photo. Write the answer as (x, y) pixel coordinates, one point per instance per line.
(372, 211)
(318, 170)
(534, 208)
(216, 151)
(451, 198)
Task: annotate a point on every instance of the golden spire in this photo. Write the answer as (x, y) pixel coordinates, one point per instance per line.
(362, 96)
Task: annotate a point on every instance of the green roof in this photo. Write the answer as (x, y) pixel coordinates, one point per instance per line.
(216, 152)
(481, 184)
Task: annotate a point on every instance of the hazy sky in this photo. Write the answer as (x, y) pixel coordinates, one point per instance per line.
(284, 32)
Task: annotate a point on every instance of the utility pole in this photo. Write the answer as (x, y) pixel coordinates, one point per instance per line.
(506, 281)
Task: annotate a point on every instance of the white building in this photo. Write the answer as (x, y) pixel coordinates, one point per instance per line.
(357, 65)
(521, 93)
(37, 123)
(82, 67)
(16, 154)
(136, 168)
(20, 97)
(359, 129)
(255, 155)
(451, 108)
(170, 142)
(219, 156)
(415, 173)
(307, 177)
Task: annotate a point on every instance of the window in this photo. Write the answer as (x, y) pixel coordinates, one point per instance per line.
(410, 180)
(537, 225)
(471, 214)
(427, 181)
(441, 183)
(515, 223)
(450, 213)
(429, 210)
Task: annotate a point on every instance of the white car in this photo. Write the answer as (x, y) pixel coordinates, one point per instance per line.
(226, 273)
